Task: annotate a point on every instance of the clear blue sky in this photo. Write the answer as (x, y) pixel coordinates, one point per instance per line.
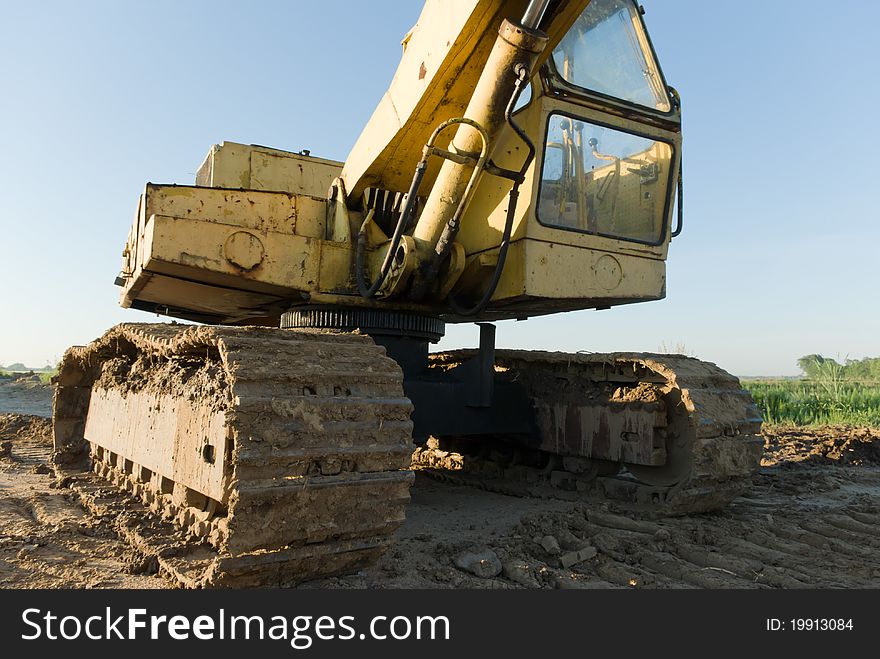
(779, 257)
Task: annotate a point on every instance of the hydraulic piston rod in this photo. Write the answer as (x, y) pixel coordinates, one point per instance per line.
(517, 46)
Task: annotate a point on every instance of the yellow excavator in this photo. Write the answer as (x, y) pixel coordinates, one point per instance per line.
(525, 160)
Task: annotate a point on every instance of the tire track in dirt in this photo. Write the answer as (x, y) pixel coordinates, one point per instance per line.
(46, 539)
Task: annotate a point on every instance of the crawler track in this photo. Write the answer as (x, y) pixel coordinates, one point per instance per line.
(278, 455)
(710, 427)
(255, 456)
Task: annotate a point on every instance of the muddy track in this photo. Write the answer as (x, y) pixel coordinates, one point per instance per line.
(705, 427)
(290, 448)
(282, 456)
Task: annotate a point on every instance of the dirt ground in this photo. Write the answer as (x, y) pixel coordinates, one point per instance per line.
(46, 539)
(26, 395)
(812, 519)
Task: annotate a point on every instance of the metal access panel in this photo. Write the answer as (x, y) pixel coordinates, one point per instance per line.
(221, 253)
(241, 166)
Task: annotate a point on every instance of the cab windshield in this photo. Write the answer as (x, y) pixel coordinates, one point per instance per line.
(607, 51)
(604, 181)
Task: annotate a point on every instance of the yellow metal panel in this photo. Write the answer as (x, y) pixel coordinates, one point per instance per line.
(273, 170)
(200, 251)
(227, 165)
(251, 209)
(556, 272)
(230, 304)
(233, 165)
(240, 246)
(513, 282)
(311, 217)
(564, 271)
(336, 269)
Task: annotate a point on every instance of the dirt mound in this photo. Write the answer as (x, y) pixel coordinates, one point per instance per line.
(20, 428)
(842, 445)
(25, 427)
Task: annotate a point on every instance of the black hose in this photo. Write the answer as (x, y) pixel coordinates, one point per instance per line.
(502, 257)
(680, 204)
(522, 76)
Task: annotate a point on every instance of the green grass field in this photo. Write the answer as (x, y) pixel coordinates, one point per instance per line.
(831, 392)
(810, 402)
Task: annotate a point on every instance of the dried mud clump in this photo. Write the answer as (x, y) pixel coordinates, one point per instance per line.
(192, 377)
(644, 392)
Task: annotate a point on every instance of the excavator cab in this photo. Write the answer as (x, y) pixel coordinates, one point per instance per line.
(597, 178)
(602, 191)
